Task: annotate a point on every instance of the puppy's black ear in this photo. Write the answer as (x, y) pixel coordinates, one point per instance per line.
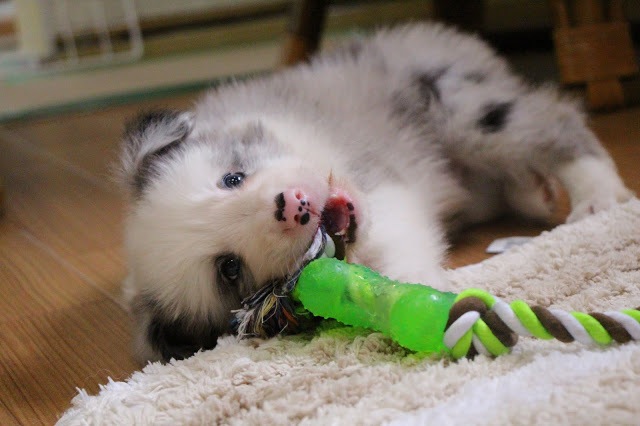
(149, 137)
(179, 339)
(160, 335)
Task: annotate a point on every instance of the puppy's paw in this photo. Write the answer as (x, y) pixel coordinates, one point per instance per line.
(593, 185)
(599, 202)
(534, 195)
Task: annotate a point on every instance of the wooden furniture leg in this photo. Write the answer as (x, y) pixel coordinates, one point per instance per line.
(2, 199)
(593, 47)
(305, 30)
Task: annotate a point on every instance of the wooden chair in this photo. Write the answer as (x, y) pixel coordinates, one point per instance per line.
(593, 47)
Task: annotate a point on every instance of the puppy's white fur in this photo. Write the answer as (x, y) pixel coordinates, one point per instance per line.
(424, 128)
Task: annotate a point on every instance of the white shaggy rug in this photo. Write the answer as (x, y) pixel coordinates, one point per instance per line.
(346, 376)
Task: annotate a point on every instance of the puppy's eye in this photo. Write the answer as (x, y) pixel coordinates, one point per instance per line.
(229, 267)
(232, 180)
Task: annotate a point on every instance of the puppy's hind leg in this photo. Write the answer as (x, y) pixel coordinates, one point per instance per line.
(573, 155)
(533, 137)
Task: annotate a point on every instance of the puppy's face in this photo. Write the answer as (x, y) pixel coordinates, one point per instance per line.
(215, 215)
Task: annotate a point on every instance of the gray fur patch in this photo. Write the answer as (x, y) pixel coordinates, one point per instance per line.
(475, 77)
(244, 148)
(412, 104)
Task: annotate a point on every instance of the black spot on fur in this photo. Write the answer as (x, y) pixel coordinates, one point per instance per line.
(280, 203)
(428, 84)
(494, 117)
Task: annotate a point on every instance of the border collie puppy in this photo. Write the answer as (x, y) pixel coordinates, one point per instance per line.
(385, 145)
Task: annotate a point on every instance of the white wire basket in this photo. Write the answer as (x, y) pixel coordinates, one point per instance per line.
(50, 32)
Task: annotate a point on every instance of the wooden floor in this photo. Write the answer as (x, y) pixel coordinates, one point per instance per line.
(62, 325)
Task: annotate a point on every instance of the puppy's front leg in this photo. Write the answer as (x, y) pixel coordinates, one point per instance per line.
(593, 185)
(404, 239)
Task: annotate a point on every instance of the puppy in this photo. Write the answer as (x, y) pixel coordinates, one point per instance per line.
(385, 145)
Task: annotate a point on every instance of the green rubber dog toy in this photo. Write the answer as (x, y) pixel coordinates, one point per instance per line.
(419, 317)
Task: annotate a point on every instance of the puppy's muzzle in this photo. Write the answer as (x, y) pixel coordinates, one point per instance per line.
(294, 208)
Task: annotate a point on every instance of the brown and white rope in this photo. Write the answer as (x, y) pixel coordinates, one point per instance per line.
(481, 323)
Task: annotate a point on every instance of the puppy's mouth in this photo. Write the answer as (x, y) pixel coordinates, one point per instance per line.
(338, 227)
(339, 220)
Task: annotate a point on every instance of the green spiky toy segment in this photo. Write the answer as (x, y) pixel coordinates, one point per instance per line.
(413, 315)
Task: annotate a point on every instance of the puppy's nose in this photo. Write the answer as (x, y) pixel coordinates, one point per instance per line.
(294, 207)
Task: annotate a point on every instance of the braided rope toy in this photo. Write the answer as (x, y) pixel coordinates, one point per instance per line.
(419, 317)
(493, 326)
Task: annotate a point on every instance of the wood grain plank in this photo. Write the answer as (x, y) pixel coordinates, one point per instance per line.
(620, 134)
(104, 267)
(63, 210)
(46, 356)
(87, 141)
(57, 175)
(32, 281)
